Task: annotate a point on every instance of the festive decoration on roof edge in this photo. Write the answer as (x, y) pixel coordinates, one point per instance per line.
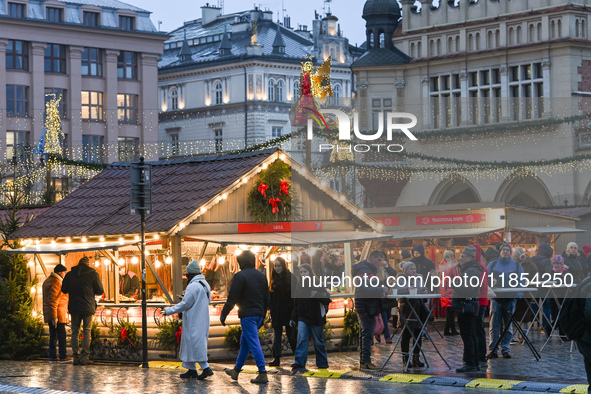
(272, 198)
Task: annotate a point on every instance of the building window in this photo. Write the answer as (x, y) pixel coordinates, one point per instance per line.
(54, 14)
(279, 91)
(174, 144)
(379, 107)
(93, 148)
(127, 108)
(55, 58)
(49, 92)
(217, 89)
(129, 149)
(445, 100)
(127, 65)
(60, 185)
(16, 10)
(174, 99)
(271, 90)
(17, 55)
(92, 62)
(92, 105)
(526, 87)
(218, 140)
(90, 18)
(296, 90)
(276, 131)
(17, 100)
(15, 139)
(126, 22)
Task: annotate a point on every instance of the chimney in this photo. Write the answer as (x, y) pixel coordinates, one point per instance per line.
(209, 13)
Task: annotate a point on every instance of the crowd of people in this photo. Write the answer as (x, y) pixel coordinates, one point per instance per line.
(301, 311)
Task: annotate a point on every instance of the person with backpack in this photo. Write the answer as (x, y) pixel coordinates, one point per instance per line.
(575, 320)
(501, 270)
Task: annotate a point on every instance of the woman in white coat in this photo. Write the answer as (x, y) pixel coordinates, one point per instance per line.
(195, 328)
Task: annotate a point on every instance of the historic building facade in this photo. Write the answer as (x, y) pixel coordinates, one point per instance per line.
(488, 81)
(228, 81)
(100, 56)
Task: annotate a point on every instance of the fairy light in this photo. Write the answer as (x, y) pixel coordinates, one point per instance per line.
(244, 180)
(34, 313)
(221, 260)
(273, 257)
(121, 240)
(134, 260)
(53, 242)
(168, 260)
(182, 225)
(156, 236)
(68, 239)
(203, 209)
(137, 237)
(97, 264)
(84, 239)
(121, 262)
(157, 263)
(238, 252)
(102, 239)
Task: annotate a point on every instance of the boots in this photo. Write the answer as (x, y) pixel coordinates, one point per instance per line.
(205, 373)
(416, 362)
(233, 373)
(276, 362)
(261, 378)
(404, 360)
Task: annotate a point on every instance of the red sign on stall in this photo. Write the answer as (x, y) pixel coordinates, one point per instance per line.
(389, 221)
(450, 219)
(278, 227)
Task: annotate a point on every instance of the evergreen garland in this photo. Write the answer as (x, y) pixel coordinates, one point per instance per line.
(166, 337)
(127, 338)
(263, 200)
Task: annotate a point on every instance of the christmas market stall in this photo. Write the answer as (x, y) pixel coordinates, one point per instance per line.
(208, 209)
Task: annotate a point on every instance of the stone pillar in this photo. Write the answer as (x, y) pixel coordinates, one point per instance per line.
(37, 91)
(148, 106)
(547, 88)
(110, 106)
(466, 101)
(75, 98)
(506, 100)
(399, 105)
(427, 121)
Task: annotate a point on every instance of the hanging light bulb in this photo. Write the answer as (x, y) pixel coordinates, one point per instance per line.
(31, 263)
(147, 252)
(156, 236)
(121, 262)
(157, 263)
(68, 239)
(237, 252)
(134, 260)
(106, 263)
(273, 257)
(33, 290)
(121, 240)
(168, 260)
(137, 237)
(221, 260)
(97, 264)
(84, 239)
(202, 263)
(102, 239)
(34, 313)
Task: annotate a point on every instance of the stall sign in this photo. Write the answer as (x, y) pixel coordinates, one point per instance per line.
(279, 227)
(450, 219)
(389, 221)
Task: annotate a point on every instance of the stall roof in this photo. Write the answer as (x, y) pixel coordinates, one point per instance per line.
(303, 238)
(441, 233)
(64, 248)
(548, 230)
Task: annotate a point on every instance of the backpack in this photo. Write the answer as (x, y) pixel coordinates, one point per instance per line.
(571, 320)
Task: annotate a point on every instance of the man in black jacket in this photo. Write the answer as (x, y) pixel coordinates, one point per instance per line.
(250, 291)
(425, 267)
(82, 283)
(368, 304)
(465, 302)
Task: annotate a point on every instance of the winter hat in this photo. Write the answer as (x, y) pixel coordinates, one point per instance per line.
(84, 260)
(419, 248)
(505, 246)
(470, 251)
(571, 244)
(491, 253)
(586, 250)
(60, 268)
(557, 259)
(405, 254)
(193, 267)
(405, 265)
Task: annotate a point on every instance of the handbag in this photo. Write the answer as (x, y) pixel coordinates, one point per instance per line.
(378, 327)
(469, 306)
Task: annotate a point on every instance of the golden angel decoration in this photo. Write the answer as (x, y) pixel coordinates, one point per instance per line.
(313, 86)
(50, 141)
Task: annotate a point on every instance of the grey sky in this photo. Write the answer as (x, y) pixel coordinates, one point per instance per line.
(173, 13)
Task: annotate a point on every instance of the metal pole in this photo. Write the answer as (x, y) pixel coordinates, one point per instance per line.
(143, 230)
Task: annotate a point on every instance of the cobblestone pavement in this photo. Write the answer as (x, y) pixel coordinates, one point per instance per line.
(557, 366)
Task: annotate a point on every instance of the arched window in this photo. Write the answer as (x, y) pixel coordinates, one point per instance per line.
(280, 91)
(370, 42)
(450, 43)
(489, 39)
(553, 29)
(457, 43)
(296, 90)
(583, 29)
(271, 90)
(438, 46)
(217, 89)
(477, 41)
(497, 38)
(530, 33)
(539, 31)
(559, 28)
(431, 47)
(174, 99)
(419, 49)
(577, 28)
(337, 92)
(510, 36)
(382, 40)
(518, 35)
(412, 49)
(470, 42)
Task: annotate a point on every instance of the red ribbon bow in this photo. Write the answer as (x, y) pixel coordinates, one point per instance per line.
(178, 334)
(283, 187)
(124, 337)
(273, 202)
(263, 189)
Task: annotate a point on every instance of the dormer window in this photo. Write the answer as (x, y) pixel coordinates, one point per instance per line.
(17, 10)
(90, 18)
(126, 22)
(53, 14)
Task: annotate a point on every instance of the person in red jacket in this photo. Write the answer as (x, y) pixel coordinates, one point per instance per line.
(449, 269)
(55, 306)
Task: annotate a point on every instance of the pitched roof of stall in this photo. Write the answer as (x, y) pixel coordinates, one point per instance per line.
(101, 206)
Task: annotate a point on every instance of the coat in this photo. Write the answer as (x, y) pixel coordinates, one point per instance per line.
(406, 313)
(470, 270)
(250, 291)
(281, 301)
(82, 283)
(307, 307)
(195, 308)
(55, 303)
(367, 298)
(446, 290)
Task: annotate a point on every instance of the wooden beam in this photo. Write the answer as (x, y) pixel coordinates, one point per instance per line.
(166, 293)
(42, 264)
(365, 250)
